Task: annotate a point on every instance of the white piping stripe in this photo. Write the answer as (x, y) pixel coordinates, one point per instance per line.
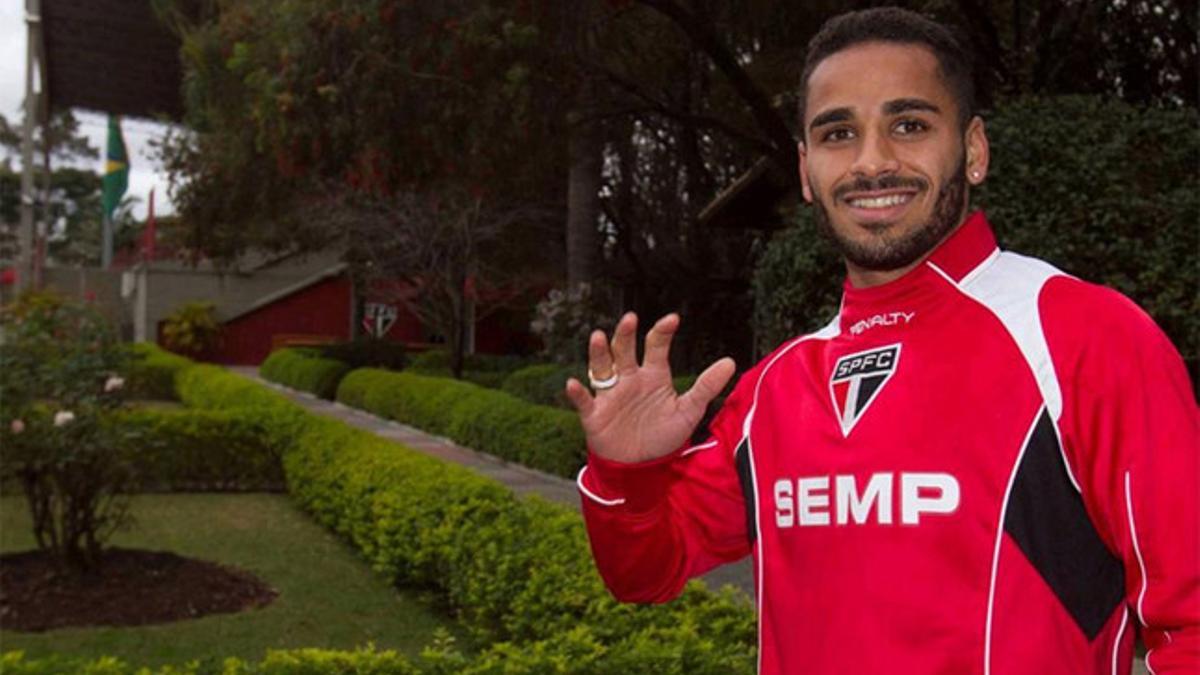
(593, 496)
(831, 330)
(1062, 451)
(1012, 476)
(979, 268)
(945, 276)
(1117, 642)
(1137, 550)
(758, 539)
(698, 448)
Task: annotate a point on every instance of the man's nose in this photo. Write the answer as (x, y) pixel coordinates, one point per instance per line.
(875, 156)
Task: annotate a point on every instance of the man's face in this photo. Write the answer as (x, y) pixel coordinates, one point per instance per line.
(885, 163)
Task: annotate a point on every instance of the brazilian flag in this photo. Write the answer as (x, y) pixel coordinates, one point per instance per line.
(116, 168)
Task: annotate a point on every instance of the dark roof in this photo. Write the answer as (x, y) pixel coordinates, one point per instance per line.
(111, 56)
(754, 201)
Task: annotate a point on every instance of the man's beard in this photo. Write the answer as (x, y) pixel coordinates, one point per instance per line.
(892, 254)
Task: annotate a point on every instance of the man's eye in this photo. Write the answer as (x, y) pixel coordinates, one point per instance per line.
(909, 127)
(835, 135)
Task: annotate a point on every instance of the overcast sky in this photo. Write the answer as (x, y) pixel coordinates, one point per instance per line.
(143, 172)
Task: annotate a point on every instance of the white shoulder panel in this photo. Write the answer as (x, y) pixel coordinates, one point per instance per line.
(1009, 285)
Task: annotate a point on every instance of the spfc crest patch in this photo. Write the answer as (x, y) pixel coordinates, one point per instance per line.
(857, 380)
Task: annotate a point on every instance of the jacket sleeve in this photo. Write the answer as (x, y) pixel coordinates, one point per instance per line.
(656, 524)
(1132, 435)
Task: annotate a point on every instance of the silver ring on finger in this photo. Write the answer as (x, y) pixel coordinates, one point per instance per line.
(607, 383)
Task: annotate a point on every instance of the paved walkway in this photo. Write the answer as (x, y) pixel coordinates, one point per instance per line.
(520, 479)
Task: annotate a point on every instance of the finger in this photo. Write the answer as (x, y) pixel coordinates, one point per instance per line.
(709, 384)
(624, 344)
(579, 397)
(658, 342)
(600, 359)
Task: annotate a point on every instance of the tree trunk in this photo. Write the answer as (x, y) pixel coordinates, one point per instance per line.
(585, 147)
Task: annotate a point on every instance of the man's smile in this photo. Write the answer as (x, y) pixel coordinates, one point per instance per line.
(879, 206)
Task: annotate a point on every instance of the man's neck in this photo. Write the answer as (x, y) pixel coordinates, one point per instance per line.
(861, 277)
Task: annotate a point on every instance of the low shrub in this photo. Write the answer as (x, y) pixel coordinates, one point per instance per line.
(213, 388)
(491, 421)
(513, 569)
(368, 353)
(304, 369)
(151, 372)
(485, 370)
(201, 450)
(546, 383)
(438, 360)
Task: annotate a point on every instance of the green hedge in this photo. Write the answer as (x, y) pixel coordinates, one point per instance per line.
(304, 369)
(485, 370)
(676, 650)
(368, 353)
(152, 372)
(492, 421)
(546, 383)
(518, 572)
(205, 450)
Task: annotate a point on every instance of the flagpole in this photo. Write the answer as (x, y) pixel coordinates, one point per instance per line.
(106, 252)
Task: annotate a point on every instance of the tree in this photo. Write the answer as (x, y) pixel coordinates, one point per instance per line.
(439, 254)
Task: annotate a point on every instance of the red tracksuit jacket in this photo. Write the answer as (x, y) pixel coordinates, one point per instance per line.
(985, 466)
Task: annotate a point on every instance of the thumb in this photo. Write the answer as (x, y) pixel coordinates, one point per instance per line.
(710, 383)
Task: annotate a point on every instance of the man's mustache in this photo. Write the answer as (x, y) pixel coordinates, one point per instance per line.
(863, 184)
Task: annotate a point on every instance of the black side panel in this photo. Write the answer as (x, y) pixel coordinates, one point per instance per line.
(742, 457)
(1047, 520)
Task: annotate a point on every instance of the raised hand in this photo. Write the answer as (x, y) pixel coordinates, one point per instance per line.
(641, 417)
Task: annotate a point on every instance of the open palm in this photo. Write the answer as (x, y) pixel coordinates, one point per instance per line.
(641, 417)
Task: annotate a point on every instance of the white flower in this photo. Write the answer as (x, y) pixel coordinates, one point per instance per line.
(63, 418)
(17, 426)
(113, 383)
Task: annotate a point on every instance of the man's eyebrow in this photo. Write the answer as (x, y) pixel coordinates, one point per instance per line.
(901, 105)
(829, 117)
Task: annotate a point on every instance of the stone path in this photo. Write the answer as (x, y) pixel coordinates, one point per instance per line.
(520, 479)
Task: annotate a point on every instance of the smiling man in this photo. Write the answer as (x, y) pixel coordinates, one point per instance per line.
(981, 465)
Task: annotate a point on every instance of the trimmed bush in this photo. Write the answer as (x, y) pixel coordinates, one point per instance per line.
(304, 369)
(368, 353)
(485, 370)
(204, 450)
(152, 372)
(537, 436)
(438, 361)
(544, 383)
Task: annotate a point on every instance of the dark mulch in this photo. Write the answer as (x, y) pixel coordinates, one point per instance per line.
(134, 588)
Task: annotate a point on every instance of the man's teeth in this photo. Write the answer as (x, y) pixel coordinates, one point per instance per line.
(878, 202)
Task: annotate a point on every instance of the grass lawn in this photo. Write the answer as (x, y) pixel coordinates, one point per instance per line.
(328, 597)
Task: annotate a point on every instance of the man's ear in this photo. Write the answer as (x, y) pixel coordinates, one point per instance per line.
(978, 154)
(802, 153)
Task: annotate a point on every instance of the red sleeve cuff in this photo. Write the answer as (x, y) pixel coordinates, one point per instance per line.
(638, 487)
